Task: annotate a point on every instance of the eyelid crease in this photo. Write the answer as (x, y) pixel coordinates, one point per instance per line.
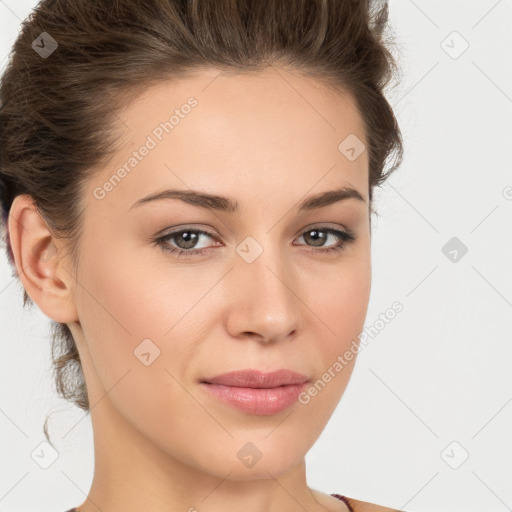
(320, 226)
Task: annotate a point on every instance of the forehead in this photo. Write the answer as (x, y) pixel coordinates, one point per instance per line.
(216, 130)
(273, 96)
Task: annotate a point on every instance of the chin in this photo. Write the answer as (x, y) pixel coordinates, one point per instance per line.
(249, 461)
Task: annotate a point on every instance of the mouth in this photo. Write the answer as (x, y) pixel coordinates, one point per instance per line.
(255, 392)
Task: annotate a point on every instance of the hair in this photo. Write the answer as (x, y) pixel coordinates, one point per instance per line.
(58, 113)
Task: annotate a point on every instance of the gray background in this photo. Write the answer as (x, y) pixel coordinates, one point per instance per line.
(433, 385)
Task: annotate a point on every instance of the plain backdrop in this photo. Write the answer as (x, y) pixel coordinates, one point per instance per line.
(426, 419)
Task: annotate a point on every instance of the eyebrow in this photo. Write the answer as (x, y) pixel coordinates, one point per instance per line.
(225, 204)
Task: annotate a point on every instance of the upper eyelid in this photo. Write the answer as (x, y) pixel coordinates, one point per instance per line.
(212, 232)
(202, 231)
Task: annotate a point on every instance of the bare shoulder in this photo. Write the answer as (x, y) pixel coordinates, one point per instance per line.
(364, 506)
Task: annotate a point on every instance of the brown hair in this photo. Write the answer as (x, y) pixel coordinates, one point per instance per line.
(58, 112)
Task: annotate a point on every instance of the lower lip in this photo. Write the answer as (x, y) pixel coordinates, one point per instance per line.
(255, 400)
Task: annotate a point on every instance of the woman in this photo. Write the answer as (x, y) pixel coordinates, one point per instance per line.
(187, 193)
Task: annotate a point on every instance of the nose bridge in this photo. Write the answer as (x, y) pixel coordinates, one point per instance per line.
(265, 293)
(264, 262)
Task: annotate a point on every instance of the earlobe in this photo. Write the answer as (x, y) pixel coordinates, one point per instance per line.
(39, 262)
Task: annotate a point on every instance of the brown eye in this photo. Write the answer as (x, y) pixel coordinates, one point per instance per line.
(318, 236)
(185, 240)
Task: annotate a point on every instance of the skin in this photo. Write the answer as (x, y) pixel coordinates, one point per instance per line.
(161, 443)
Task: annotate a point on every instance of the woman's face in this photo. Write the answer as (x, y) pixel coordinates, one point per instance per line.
(262, 295)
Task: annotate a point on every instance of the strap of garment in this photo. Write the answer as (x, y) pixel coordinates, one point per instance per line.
(345, 500)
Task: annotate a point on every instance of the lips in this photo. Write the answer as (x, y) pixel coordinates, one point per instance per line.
(256, 392)
(258, 379)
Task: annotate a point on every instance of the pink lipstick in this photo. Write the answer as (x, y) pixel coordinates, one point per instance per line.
(255, 392)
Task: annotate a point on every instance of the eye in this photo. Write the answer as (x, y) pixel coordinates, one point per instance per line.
(186, 240)
(319, 235)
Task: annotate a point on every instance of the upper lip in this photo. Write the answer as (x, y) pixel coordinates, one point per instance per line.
(258, 379)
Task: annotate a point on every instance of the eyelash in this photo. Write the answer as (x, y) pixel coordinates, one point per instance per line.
(345, 238)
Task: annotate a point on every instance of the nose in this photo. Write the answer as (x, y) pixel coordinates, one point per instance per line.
(264, 304)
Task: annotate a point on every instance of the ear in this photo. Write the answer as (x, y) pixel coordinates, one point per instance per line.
(40, 262)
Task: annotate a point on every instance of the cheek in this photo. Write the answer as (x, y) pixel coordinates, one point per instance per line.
(134, 313)
(341, 304)
(125, 312)
(135, 298)
(341, 296)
